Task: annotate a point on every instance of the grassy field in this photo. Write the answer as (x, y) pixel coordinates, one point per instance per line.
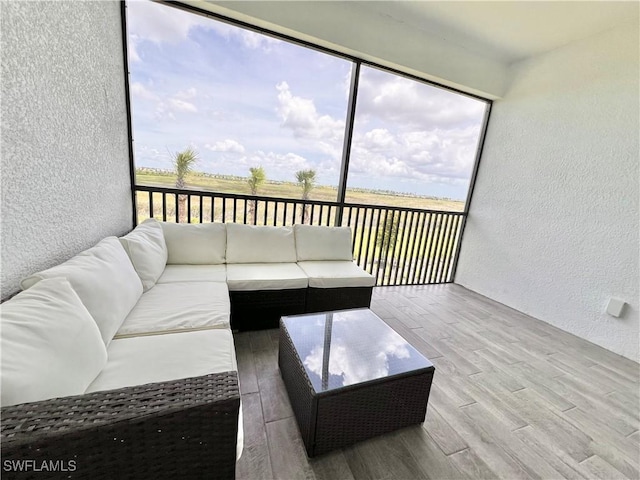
(409, 246)
(292, 190)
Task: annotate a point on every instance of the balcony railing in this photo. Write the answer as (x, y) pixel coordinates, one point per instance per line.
(399, 246)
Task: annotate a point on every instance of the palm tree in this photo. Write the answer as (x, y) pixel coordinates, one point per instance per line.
(257, 177)
(387, 237)
(183, 163)
(307, 180)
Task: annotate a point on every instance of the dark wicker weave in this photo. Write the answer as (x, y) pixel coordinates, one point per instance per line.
(328, 299)
(341, 417)
(178, 429)
(259, 309)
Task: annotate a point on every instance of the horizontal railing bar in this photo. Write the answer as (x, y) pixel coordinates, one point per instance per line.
(240, 196)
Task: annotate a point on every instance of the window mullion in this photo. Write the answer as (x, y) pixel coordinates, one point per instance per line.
(348, 136)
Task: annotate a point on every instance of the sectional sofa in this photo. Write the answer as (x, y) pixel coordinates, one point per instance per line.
(120, 363)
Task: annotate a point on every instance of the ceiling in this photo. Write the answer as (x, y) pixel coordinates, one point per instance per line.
(468, 45)
(508, 30)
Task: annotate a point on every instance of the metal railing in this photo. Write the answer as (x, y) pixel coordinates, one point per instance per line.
(398, 245)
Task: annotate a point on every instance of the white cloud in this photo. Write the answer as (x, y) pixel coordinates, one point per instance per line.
(436, 156)
(408, 102)
(187, 94)
(301, 116)
(321, 133)
(159, 23)
(342, 361)
(142, 92)
(178, 105)
(168, 108)
(163, 112)
(379, 139)
(287, 162)
(278, 166)
(227, 145)
(133, 51)
(256, 40)
(152, 157)
(414, 133)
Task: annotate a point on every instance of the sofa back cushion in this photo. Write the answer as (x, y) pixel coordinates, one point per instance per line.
(51, 347)
(147, 251)
(315, 243)
(260, 244)
(104, 279)
(195, 243)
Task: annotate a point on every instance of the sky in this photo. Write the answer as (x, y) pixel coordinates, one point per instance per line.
(243, 99)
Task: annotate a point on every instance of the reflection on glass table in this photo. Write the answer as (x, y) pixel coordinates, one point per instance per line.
(348, 347)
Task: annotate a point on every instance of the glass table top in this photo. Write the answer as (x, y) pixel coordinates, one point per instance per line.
(347, 347)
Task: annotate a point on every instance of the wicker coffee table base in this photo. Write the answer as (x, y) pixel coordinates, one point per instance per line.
(348, 415)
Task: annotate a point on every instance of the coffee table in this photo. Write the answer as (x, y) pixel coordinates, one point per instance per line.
(350, 377)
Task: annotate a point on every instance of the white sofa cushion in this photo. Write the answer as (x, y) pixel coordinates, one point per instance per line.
(260, 244)
(147, 251)
(160, 358)
(193, 273)
(265, 276)
(322, 243)
(51, 347)
(195, 243)
(170, 307)
(104, 279)
(336, 274)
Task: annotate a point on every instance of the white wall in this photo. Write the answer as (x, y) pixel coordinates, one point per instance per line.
(553, 228)
(64, 148)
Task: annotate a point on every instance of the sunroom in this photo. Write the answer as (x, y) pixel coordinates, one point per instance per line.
(516, 275)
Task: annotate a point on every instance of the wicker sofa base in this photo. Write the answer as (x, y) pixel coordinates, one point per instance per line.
(328, 299)
(260, 309)
(178, 429)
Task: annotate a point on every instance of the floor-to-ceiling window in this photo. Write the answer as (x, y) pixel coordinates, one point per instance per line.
(233, 123)
(266, 116)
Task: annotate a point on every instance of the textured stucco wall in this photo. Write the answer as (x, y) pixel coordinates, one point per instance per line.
(553, 227)
(65, 169)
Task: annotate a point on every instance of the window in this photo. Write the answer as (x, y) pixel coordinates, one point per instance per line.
(240, 99)
(414, 141)
(244, 100)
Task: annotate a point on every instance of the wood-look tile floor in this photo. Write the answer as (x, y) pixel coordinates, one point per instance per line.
(512, 398)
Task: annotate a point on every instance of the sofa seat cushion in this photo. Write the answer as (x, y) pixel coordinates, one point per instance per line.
(104, 279)
(51, 347)
(260, 244)
(171, 307)
(159, 358)
(193, 273)
(336, 274)
(147, 250)
(195, 243)
(265, 276)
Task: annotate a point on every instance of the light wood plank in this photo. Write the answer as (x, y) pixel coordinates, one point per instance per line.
(288, 456)
(255, 462)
